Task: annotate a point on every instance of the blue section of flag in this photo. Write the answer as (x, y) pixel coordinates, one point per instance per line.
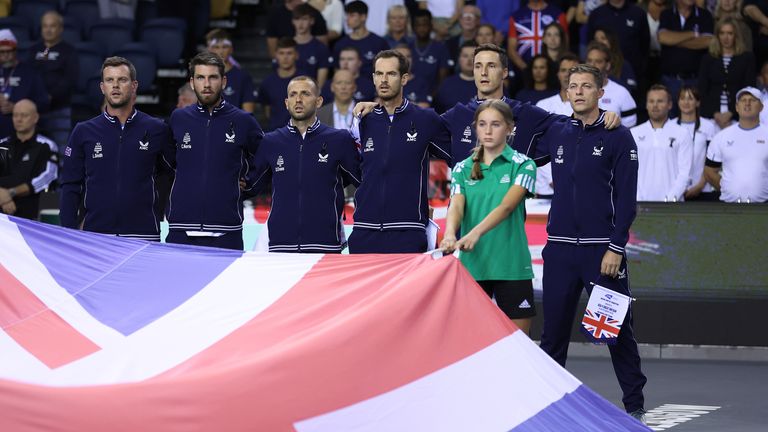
(125, 284)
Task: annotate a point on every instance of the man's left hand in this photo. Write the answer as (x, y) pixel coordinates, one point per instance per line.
(612, 120)
(610, 264)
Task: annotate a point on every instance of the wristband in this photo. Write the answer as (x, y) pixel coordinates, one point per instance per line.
(12, 192)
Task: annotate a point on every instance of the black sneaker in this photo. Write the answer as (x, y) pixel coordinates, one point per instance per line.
(639, 415)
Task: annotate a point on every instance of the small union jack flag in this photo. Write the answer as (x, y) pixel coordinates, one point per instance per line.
(600, 326)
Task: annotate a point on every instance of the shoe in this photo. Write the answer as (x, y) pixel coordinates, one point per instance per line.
(639, 415)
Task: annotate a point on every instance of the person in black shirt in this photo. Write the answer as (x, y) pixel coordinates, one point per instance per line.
(280, 24)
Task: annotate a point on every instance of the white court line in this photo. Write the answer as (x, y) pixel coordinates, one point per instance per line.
(670, 415)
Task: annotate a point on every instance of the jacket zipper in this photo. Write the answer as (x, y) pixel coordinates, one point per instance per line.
(383, 168)
(119, 174)
(301, 159)
(206, 144)
(575, 185)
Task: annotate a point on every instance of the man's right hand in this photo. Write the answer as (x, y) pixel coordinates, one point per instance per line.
(362, 109)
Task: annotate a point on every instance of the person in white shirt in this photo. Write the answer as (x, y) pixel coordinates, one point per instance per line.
(556, 104)
(741, 152)
(338, 113)
(664, 151)
(701, 130)
(616, 97)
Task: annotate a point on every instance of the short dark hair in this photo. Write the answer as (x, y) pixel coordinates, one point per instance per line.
(587, 69)
(306, 78)
(660, 87)
(595, 45)
(117, 62)
(206, 59)
(351, 48)
(403, 66)
(569, 56)
(302, 10)
(503, 59)
(421, 13)
(468, 44)
(356, 6)
(286, 42)
(692, 89)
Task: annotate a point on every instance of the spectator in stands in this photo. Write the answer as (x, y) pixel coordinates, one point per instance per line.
(239, 84)
(757, 12)
(273, 87)
(488, 192)
(654, 8)
(314, 56)
(112, 160)
(366, 42)
(349, 59)
(205, 207)
(186, 96)
(279, 24)
(539, 81)
(337, 111)
(556, 104)
(741, 152)
(460, 87)
(701, 130)
(496, 14)
(581, 15)
(685, 31)
(764, 97)
(125, 9)
(630, 24)
(309, 164)
(469, 22)
(486, 34)
(615, 98)
(555, 43)
(431, 61)
(333, 13)
(445, 15)
(621, 71)
(732, 9)
(398, 26)
(28, 164)
(526, 30)
(664, 151)
(376, 21)
(18, 80)
(724, 70)
(56, 60)
(416, 88)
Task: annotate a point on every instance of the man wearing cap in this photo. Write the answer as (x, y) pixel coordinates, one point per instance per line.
(28, 163)
(737, 157)
(18, 80)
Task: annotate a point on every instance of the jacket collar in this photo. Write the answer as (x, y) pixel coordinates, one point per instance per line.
(217, 108)
(380, 109)
(599, 122)
(113, 119)
(475, 102)
(312, 128)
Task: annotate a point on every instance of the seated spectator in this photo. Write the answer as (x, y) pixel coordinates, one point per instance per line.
(685, 31)
(445, 15)
(337, 111)
(726, 68)
(664, 151)
(458, 88)
(621, 71)
(279, 24)
(539, 81)
(275, 86)
(416, 89)
(333, 13)
(740, 151)
(28, 164)
(349, 59)
(732, 9)
(469, 22)
(239, 89)
(313, 54)
(555, 43)
(630, 24)
(18, 80)
(431, 61)
(486, 34)
(368, 44)
(701, 130)
(56, 60)
(581, 15)
(398, 26)
(616, 97)
(526, 30)
(186, 96)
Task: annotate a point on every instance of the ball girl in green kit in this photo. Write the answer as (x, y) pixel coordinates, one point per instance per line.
(488, 190)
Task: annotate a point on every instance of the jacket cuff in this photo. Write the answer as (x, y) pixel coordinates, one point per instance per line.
(616, 248)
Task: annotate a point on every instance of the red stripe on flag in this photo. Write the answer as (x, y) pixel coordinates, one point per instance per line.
(39, 330)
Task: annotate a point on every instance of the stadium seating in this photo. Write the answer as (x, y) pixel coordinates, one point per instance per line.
(72, 31)
(111, 34)
(90, 57)
(143, 58)
(19, 26)
(84, 11)
(32, 11)
(167, 35)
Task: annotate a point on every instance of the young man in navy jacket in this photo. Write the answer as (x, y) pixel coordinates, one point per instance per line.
(309, 164)
(215, 144)
(111, 163)
(594, 172)
(396, 141)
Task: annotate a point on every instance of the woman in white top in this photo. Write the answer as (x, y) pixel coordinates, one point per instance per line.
(333, 13)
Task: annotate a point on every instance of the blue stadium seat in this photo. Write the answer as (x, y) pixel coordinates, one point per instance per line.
(24, 50)
(32, 11)
(145, 10)
(143, 58)
(111, 33)
(84, 11)
(167, 35)
(72, 31)
(19, 26)
(90, 57)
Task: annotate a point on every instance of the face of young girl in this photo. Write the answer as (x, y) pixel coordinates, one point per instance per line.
(687, 103)
(491, 129)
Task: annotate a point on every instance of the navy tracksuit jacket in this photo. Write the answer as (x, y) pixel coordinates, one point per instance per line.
(308, 177)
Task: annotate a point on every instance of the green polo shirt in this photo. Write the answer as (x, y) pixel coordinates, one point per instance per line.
(502, 253)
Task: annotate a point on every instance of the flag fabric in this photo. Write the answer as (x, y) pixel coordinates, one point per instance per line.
(102, 333)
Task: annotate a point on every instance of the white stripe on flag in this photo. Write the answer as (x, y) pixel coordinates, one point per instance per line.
(483, 392)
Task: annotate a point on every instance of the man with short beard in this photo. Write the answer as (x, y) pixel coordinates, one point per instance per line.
(309, 164)
(215, 144)
(111, 163)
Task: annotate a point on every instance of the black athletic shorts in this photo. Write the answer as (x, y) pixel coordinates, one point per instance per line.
(514, 297)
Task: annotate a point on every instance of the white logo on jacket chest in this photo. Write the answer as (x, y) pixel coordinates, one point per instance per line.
(230, 137)
(559, 155)
(25, 158)
(185, 142)
(322, 158)
(97, 154)
(368, 145)
(467, 135)
(411, 136)
(597, 151)
(143, 145)
(280, 164)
